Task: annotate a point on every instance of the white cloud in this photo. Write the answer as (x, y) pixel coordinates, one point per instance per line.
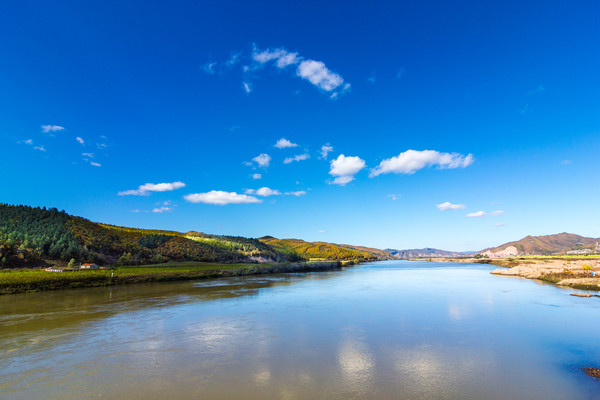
(314, 71)
(80, 140)
(40, 148)
(144, 190)
(234, 59)
(325, 150)
(394, 196)
(321, 231)
(499, 225)
(297, 193)
(219, 197)
(161, 209)
(319, 75)
(300, 157)
(262, 160)
(284, 143)
(210, 68)
(413, 160)
(256, 176)
(263, 191)
(449, 206)
(477, 214)
(51, 128)
(28, 141)
(344, 168)
(95, 164)
(88, 155)
(346, 165)
(481, 214)
(101, 146)
(282, 57)
(342, 180)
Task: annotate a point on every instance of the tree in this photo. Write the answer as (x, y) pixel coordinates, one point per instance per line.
(71, 263)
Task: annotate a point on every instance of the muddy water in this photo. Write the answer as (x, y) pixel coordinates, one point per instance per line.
(387, 330)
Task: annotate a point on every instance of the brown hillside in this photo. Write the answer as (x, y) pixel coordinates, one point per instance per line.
(548, 244)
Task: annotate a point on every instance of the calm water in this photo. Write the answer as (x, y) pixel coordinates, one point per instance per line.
(387, 330)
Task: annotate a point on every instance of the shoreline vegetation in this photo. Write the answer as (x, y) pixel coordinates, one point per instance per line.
(37, 280)
(581, 273)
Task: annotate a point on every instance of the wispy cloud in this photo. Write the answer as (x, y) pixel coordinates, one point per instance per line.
(372, 79)
(221, 198)
(80, 140)
(263, 191)
(400, 73)
(394, 196)
(344, 168)
(315, 72)
(29, 142)
(51, 128)
(321, 231)
(481, 214)
(566, 162)
(300, 157)
(263, 160)
(146, 189)
(325, 150)
(162, 209)
(449, 206)
(88, 155)
(284, 144)
(411, 161)
(296, 193)
(210, 68)
(256, 176)
(95, 164)
(538, 90)
(499, 225)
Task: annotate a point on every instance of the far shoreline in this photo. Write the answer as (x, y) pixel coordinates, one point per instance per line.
(581, 273)
(30, 281)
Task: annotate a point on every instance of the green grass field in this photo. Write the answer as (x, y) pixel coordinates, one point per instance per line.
(30, 280)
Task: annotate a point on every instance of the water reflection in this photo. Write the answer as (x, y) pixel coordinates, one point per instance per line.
(381, 331)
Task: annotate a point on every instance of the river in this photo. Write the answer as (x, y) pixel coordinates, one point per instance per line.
(383, 330)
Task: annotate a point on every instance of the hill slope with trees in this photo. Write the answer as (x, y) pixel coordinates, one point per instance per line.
(30, 235)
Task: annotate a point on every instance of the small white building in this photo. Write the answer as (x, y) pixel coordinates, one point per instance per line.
(89, 266)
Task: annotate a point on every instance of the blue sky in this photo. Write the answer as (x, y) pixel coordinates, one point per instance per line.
(456, 125)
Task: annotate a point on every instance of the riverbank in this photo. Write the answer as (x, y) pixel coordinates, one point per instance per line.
(37, 280)
(575, 273)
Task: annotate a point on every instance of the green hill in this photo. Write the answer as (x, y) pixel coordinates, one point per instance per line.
(321, 250)
(30, 235)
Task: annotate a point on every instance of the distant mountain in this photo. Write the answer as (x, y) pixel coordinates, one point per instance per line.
(549, 244)
(426, 252)
(324, 250)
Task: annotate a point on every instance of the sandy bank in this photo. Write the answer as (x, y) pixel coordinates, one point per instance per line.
(562, 272)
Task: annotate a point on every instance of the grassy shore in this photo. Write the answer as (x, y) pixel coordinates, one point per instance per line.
(35, 280)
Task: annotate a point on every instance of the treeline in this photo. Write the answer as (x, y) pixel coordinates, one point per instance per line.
(30, 234)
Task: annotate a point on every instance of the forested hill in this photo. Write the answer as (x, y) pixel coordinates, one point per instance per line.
(29, 235)
(322, 250)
